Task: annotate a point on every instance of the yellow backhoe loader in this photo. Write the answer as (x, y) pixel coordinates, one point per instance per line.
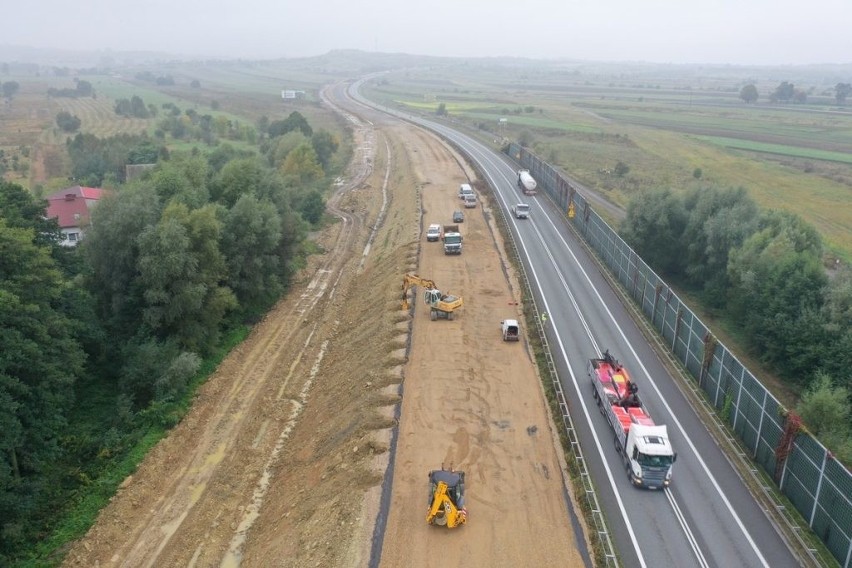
(442, 305)
(446, 498)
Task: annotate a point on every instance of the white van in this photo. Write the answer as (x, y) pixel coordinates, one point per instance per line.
(465, 190)
(521, 210)
(433, 233)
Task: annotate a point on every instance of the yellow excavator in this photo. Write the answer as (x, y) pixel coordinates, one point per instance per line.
(442, 305)
(446, 498)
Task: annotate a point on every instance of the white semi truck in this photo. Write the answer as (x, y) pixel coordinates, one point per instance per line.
(643, 445)
(526, 182)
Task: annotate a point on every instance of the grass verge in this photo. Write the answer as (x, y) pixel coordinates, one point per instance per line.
(81, 515)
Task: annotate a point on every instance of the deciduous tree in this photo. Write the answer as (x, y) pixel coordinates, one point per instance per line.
(777, 286)
(825, 410)
(21, 210)
(252, 232)
(67, 122)
(718, 221)
(841, 91)
(302, 163)
(783, 92)
(112, 252)
(238, 177)
(295, 121)
(39, 363)
(182, 271)
(10, 89)
(325, 145)
(749, 93)
(654, 226)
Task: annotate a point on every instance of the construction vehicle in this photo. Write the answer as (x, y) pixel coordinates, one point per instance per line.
(446, 498)
(511, 330)
(643, 445)
(526, 182)
(443, 306)
(452, 239)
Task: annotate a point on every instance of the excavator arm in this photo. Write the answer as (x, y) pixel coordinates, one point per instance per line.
(443, 512)
(410, 280)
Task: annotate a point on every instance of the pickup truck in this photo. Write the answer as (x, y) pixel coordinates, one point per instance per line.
(521, 211)
(433, 233)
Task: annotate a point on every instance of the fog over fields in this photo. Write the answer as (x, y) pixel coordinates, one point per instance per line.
(759, 32)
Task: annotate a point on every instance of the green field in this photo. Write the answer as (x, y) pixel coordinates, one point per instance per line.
(779, 149)
(673, 127)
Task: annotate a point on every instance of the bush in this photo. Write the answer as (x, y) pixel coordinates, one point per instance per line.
(67, 122)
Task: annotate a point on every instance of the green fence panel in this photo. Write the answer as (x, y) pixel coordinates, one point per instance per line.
(815, 483)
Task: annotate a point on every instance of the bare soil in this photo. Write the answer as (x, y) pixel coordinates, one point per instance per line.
(282, 458)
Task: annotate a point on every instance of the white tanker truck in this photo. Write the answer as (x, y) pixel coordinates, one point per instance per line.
(526, 182)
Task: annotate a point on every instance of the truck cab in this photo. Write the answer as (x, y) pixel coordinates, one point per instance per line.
(452, 239)
(521, 211)
(452, 243)
(650, 456)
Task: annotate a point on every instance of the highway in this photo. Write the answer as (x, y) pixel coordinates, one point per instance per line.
(707, 517)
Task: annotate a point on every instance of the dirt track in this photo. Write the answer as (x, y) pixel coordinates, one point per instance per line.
(280, 462)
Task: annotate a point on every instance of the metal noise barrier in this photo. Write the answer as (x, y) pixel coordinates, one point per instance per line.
(807, 474)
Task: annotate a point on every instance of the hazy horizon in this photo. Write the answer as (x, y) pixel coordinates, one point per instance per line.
(760, 32)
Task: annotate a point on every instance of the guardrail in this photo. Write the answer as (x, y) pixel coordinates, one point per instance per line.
(819, 487)
(600, 526)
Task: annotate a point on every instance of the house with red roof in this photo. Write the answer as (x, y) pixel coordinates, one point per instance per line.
(72, 208)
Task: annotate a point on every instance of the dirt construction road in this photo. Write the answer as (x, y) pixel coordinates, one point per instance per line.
(474, 401)
(282, 458)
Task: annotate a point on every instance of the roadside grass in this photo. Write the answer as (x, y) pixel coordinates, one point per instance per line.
(78, 517)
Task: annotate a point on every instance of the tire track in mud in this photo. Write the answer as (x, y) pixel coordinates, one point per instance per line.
(177, 512)
(343, 246)
(262, 362)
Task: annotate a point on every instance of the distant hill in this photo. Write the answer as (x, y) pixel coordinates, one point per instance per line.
(17, 54)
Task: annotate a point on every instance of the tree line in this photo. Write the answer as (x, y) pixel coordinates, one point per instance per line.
(761, 270)
(787, 92)
(81, 89)
(101, 341)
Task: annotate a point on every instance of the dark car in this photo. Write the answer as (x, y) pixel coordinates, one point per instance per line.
(458, 216)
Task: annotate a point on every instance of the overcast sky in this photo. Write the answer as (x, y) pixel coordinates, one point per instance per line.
(665, 31)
